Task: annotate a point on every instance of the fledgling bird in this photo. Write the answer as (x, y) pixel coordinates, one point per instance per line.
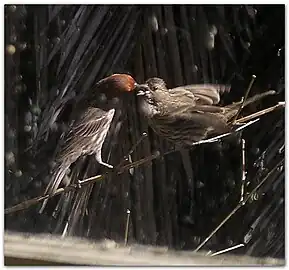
(89, 125)
(187, 114)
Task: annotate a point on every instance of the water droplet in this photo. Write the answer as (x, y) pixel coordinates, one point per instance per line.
(164, 31)
(251, 11)
(280, 168)
(18, 88)
(19, 77)
(10, 49)
(62, 22)
(157, 153)
(10, 158)
(200, 184)
(56, 40)
(154, 23)
(22, 46)
(195, 68)
(11, 133)
(12, 8)
(35, 110)
(18, 173)
(27, 128)
(210, 41)
(279, 52)
(214, 30)
(13, 38)
(144, 134)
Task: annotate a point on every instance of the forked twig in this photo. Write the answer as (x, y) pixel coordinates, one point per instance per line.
(239, 205)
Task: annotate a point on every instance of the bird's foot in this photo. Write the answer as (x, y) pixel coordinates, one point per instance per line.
(99, 160)
(106, 164)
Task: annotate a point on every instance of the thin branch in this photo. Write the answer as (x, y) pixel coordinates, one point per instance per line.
(239, 205)
(243, 170)
(258, 114)
(227, 250)
(127, 226)
(245, 98)
(36, 200)
(72, 187)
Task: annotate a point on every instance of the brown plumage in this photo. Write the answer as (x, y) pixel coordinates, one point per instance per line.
(89, 125)
(187, 114)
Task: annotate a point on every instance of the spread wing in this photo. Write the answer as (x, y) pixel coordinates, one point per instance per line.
(205, 94)
(86, 134)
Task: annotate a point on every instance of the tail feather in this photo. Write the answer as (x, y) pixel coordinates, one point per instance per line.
(232, 109)
(251, 99)
(56, 179)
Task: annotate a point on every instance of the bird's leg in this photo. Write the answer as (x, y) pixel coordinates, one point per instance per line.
(244, 99)
(99, 160)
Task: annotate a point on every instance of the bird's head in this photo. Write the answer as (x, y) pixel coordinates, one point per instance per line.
(120, 82)
(113, 88)
(150, 88)
(150, 96)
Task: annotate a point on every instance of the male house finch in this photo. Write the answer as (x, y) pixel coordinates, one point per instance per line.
(89, 125)
(187, 114)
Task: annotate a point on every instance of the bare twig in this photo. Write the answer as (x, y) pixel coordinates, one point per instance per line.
(245, 98)
(243, 170)
(28, 203)
(127, 226)
(239, 205)
(133, 148)
(36, 200)
(258, 114)
(227, 250)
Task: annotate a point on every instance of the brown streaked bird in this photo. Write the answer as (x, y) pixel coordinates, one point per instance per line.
(89, 125)
(187, 114)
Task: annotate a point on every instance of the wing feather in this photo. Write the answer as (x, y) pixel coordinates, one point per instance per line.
(84, 134)
(206, 94)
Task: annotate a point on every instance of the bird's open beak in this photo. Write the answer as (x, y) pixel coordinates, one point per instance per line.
(141, 89)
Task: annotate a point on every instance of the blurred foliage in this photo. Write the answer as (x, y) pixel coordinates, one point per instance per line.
(55, 53)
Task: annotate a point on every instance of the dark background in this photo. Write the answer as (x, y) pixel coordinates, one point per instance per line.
(54, 53)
